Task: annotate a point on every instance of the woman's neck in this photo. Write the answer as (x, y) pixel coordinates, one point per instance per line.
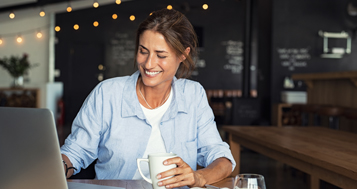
(152, 97)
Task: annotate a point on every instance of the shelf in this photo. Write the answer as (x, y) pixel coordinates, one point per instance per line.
(309, 77)
(20, 97)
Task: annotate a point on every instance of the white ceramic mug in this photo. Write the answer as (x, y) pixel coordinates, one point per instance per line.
(156, 166)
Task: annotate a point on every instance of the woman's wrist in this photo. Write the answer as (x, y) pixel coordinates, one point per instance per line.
(68, 169)
(200, 180)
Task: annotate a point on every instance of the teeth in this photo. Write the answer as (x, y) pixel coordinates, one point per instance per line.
(152, 73)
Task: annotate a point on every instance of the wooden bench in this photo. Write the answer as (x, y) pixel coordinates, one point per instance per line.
(323, 153)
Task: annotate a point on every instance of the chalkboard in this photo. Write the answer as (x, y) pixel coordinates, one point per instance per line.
(120, 55)
(123, 49)
(220, 61)
(234, 56)
(292, 58)
(246, 111)
(296, 45)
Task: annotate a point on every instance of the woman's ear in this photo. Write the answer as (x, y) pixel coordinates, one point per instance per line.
(187, 51)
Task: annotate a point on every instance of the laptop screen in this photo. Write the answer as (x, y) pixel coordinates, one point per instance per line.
(30, 155)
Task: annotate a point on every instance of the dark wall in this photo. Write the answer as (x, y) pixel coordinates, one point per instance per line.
(296, 45)
(221, 35)
(284, 40)
(223, 42)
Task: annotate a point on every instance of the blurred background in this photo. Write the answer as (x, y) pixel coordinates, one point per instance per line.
(248, 51)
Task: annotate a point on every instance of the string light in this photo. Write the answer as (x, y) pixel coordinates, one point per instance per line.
(19, 36)
(39, 34)
(12, 15)
(76, 26)
(19, 39)
(69, 8)
(57, 28)
(132, 17)
(95, 4)
(205, 6)
(42, 13)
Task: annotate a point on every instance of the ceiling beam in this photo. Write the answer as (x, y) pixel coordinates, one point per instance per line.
(8, 3)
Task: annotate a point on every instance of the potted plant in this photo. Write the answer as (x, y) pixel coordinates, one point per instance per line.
(16, 66)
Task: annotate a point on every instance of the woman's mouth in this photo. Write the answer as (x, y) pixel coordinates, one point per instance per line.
(152, 73)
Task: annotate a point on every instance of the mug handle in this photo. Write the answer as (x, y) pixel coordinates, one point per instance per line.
(138, 163)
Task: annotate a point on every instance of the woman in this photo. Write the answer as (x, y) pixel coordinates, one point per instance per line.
(126, 118)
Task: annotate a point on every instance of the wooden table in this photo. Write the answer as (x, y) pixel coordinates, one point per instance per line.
(323, 153)
(142, 184)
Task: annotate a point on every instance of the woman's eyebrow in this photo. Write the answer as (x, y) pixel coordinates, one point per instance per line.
(157, 51)
(144, 47)
(161, 51)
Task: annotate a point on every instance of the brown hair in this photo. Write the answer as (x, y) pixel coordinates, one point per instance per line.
(178, 33)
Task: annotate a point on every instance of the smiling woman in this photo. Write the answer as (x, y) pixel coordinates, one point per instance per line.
(158, 64)
(152, 111)
(178, 33)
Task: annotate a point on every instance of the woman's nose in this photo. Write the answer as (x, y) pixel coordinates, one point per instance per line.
(150, 62)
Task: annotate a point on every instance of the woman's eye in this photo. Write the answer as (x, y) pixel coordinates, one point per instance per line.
(143, 52)
(161, 56)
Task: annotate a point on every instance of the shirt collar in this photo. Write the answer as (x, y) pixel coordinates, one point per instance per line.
(131, 105)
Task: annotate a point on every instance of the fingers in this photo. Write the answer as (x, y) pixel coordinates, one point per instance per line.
(183, 174)
(176, 160)
(178, 181)
(175, 171)
(182, 167)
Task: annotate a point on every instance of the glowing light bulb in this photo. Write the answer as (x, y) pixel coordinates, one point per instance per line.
(95, 24)
(1, 41)
(39, 35)
(42, 13)
(76, 26)
(12, 15)
(95, 4)
(150, 14)
(114, 16)
(169, 7)
(69, 9)
(57, 28)
(19, 39)
(205, 6)
(132, 17)
(118, 2)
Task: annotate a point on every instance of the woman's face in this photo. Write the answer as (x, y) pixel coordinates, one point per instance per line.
(157, 61)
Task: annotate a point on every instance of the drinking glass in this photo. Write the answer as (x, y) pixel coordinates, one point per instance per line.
(249, 181)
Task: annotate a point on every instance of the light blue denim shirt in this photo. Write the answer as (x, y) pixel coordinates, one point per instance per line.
(112, 128)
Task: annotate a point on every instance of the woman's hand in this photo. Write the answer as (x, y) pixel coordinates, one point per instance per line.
(183, 175)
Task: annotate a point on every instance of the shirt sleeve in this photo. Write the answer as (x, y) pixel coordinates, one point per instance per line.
(210, 144)
(81, 146)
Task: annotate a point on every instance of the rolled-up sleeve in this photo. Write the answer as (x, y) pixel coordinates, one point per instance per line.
(210, 144)
(81, 146)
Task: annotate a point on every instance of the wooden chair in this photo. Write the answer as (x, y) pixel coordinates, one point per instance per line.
(350, 113)
(299, 115)
(333, 113)
(311, 110)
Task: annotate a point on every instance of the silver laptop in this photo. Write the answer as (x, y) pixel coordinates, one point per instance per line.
(29, 152)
